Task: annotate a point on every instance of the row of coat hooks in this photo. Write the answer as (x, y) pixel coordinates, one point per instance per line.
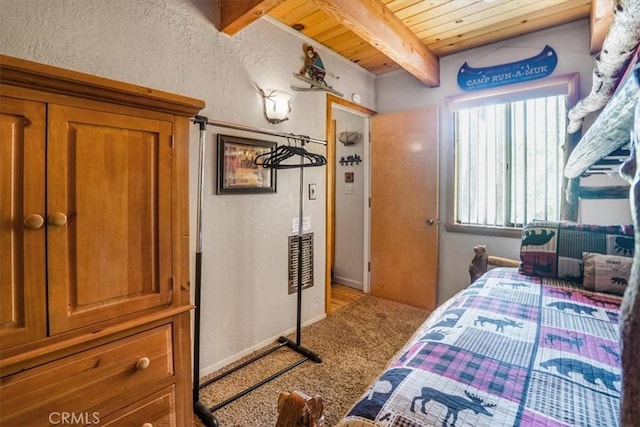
(350, 160)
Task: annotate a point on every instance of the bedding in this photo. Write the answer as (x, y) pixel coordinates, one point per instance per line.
(555, 248)
(509, 350)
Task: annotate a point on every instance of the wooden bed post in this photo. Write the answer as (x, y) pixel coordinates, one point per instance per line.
(481, 262)
(630, 308)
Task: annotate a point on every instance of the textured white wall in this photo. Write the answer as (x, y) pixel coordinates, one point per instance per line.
(349, 221)
(400, 91)
(171, 45)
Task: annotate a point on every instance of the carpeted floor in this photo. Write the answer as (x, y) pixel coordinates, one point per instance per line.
(355, 344)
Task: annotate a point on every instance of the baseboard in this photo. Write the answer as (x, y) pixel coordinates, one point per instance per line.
(347, 282)
(273, 340)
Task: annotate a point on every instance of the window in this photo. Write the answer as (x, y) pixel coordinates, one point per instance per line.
(509, 154)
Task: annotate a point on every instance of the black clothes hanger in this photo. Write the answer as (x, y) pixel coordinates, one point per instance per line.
(275, 159)
(280, 154)
(307, 159)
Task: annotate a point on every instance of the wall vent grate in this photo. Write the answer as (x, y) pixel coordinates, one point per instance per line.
(307, 262)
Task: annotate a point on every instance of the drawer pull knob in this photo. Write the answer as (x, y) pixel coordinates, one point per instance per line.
(143, 363)
(147, 425)
(33, 221)
(57, 219)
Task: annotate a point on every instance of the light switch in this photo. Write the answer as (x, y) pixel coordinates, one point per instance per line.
(312, 191)
(348, 189)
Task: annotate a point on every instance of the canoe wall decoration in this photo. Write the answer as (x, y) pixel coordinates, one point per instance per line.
(536, 67)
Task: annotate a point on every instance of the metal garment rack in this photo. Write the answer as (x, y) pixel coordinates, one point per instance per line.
(201, 410)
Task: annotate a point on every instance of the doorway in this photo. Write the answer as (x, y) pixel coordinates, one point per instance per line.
(347, 196)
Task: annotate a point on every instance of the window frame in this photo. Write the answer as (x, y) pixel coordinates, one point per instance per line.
(554, 85)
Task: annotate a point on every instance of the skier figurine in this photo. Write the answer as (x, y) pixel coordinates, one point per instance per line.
(313, 67)
(313, 72)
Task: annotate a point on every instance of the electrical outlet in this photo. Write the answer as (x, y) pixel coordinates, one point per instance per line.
(295, 224)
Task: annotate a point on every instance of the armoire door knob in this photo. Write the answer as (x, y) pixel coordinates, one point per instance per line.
(57, 219)
(33, 221)
(143, 363)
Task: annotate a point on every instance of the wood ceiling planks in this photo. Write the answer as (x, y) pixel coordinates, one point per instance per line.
(533, 23)
(443, 26)
(505, 26)
(384, 35)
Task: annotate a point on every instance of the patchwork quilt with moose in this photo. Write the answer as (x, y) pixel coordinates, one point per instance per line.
(510, 350)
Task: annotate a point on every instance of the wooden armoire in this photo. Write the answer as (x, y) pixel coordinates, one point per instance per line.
(94, 250)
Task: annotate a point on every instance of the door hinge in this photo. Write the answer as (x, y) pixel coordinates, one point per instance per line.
(369, 201)
(369, 267)
(171, 141)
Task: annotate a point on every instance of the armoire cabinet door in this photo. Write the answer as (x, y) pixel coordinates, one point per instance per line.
(22, 231)
(108, 216)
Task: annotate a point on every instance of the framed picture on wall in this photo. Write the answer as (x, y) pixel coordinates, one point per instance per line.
(348, 177)
(237, 174)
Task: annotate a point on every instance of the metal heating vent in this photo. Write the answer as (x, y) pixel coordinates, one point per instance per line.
(307, 262)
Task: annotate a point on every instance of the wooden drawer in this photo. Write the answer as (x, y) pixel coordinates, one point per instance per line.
(80, 384)
(157, 410)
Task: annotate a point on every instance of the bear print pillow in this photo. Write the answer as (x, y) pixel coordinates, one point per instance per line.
(606, 273)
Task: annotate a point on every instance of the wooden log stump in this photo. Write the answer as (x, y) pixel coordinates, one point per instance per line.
(297, 409)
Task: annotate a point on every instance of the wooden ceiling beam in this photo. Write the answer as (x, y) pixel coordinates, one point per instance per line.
(378, 26)
(238, 14)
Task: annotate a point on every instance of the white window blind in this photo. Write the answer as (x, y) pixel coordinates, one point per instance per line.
(509, 157)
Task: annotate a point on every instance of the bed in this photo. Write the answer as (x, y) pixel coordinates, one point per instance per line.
(520, 346)
(508, 350)
(553, 342)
